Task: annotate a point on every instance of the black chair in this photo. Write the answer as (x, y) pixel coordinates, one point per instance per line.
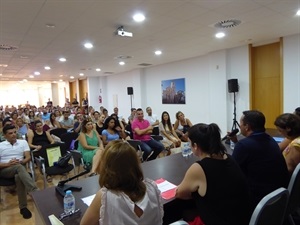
(77, 157)
(5, 182)
(68, 139)
(136, 144)
(46, 161)
(271, 209)
(294, 199)
(58, 132)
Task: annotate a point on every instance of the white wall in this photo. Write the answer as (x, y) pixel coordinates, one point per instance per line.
(291, 71)
(207, 97)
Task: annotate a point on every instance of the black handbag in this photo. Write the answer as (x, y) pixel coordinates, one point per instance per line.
(63, 161)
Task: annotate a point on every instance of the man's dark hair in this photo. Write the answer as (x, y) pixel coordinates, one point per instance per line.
(139, 109)
(255, 120)
(297, 111)
(8, 127)
(7, 119)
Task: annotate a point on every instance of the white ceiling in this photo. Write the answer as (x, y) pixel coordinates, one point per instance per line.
(179, 28)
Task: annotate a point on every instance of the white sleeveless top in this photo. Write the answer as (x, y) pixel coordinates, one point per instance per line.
(118, 209)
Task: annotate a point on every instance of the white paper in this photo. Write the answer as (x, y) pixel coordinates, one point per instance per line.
(88, 200)
(165, 186)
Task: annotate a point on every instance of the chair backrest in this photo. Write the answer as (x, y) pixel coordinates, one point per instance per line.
(271, 209)
(68, 139)
(44, 152)
(294, 191)
(135, 143)
(58, 131)
(157, 137)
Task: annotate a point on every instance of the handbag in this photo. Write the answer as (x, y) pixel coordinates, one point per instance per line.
(63, 161)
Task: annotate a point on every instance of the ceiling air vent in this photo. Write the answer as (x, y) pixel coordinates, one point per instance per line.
(123, 57)
(227, 23)
(144, 64)
(7, 47)
(108, 73)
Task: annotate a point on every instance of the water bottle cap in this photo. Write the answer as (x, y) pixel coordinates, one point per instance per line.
(68, 192)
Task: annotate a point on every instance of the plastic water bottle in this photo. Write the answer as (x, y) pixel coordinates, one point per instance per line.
(69, 202)
(185, 150)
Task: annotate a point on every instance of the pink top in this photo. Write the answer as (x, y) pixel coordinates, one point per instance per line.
(141, 125)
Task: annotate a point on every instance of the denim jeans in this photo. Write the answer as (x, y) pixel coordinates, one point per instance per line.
(149, 146)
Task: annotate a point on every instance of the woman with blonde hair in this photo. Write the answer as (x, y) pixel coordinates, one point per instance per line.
(123, 190)
(182, 125)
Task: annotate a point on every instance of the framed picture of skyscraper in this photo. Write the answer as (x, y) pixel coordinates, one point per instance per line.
(173, 91)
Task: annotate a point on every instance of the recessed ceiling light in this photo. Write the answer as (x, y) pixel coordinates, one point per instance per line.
(50, 25)
(37, 73)
(62, 59)
(88, 45)
(47, 68)
(61, 75)
(121, 63)
(81, 74)
(31, 76)
(0, 74)
(24, 57)
(3, 65)
(298, 12)
(60, 80)
(158, 52)
(220, 35)
(98, 69)
(139, 17)
(71, 77)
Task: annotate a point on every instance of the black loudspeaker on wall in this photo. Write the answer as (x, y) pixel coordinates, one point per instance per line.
(233, 85)
(130, 90)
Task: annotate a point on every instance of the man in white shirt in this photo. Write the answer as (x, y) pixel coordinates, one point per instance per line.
(153, 120)
(14, 154)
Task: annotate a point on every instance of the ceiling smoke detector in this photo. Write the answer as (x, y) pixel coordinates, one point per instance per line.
(7, 47)
(227, 23)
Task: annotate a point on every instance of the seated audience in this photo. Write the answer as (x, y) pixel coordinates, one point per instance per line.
(170, 138)
(31, 117)
(259, 157)
(284, 144)
(100, 125)
(215, 182)
(153, 120)
(96, 116)
(289, 126)
(142, 131)
(132, 115)
(79, 118)
(110, 131)
(38, 138)
(22, 128)
(67, 122)
(53, 123)
(181, 126)
(119, 126)
(14, 154)
(105, 113)
(123, 190)
(90, 145)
